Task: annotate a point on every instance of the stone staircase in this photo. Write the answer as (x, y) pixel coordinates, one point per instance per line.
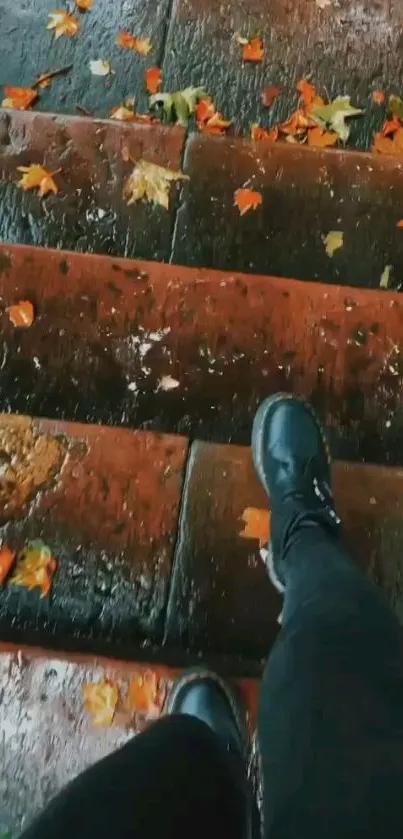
(128, 403)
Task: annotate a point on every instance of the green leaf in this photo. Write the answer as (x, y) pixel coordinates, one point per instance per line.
(334, 115)
(178, 106)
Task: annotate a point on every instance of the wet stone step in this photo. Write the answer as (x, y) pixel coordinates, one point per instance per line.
(94, 157)
(194, 351)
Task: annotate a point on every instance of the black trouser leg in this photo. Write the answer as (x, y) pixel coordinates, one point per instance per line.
(174, 781)
(331, 706)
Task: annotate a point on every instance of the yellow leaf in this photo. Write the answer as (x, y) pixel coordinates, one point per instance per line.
(36, 176)
(132, 42)
(151, 182)
(36, 567)
(385, 277)
(20, 98)
(333, 241)
(63, 23)
(100, 701)
(257, 525)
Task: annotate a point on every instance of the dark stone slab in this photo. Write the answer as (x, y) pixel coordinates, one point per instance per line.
(28, 50)
(89, 213)
(220, 600)
(305, 194)
(107, 332)
(345, 48)
(107, 505)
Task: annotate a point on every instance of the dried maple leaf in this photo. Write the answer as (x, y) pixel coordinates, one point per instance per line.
(153, 78)
(100, 67)
(269, 94)
(378, 97)
(20, 98)
(333, 116)
(333, 241)
(179, 105)
(252, 50)
(247, 199)
(63, 23)
(309, 94)
(7, 557)
(297, 123)
(100, 700)
(22, 313)
(35, 176)
(146, 694)
(35, 568)
(385, 277)
(257, 525)
(151, 182)
(258, 133)
(320, 138)
(84, 5)
(132, 42)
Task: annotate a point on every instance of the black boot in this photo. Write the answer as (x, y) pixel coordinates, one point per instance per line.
(292, 460)
(203, 694)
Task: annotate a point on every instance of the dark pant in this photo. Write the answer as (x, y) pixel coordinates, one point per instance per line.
(330, 731)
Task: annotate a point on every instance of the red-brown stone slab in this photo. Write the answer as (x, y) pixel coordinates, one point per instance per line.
(345, 48)
(89, 213)
(107, 332)
(47, 735)
(306, 193)
(108, 509)
(221, 603)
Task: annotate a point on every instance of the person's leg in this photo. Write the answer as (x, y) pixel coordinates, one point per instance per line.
(331, 706)
(185, 776)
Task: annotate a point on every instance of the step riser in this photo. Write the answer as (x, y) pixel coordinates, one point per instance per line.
(108, 331)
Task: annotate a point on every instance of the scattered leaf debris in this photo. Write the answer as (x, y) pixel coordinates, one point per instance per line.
(63, 23)
(269, 95)
(151, 182)
(7, 557)
(100, 700)
(21, 314)
(35, 567)
(126, 112)
(20, 98)
(333, 241)
(100, 67)
(247, 199)
(209, 120)
(153, 79)
(133, 42)
(36, 176)
(257, 525)
(258, 133)
(178, 106)
(385, 277)
(146, 694)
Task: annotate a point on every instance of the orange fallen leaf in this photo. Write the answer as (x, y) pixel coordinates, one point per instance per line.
(309, 94)
(269, 94)
(204, 109)
(100, 700)
(208, 119)
(400, 223)
(84, 5)
(297, 123)
(7, 557)
(320, 138)
(140, 45)
(146, 694)
(63, 23)
(378, 97)
(36, 176)
(253, 49)
(22, 313)
(389, 145)
(19, 97)
(125, 114)
(153, 78)
(247, 199)
(257, 525)
(35, 568)
(258, 133)
(390, 126)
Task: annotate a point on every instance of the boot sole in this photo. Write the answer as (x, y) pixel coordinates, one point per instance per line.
(231, 693)
(258, 455)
